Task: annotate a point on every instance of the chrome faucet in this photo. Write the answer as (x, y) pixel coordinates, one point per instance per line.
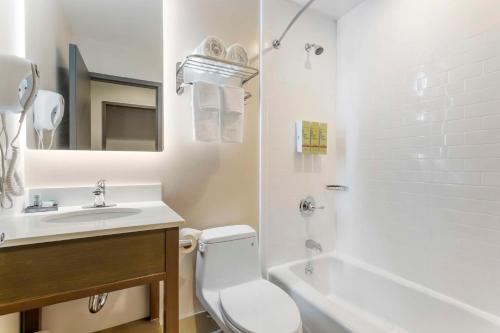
(99, 196)
(100, 193)
(308, 206)
(313, 245)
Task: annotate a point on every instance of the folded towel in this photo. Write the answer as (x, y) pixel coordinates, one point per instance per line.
(232, 115)
(237, 53)
(206, 111)
(208, 95)
(212, 47)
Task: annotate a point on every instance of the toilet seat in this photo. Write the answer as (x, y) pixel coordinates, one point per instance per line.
(259, 307)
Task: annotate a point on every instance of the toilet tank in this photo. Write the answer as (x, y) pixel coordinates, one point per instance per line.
(227, 256)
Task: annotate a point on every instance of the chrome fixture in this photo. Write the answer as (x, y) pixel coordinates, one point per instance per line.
(100, 195)
(308, 206)
(185, 243)
(2, 238)
(277, 42)
(218, 67)
(337, 188)
(313, 245)
(318, 49)
(309, 269)
(97, 302)
(40, 209)
(38, 206)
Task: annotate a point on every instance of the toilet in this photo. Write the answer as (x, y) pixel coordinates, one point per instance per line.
(230, 286)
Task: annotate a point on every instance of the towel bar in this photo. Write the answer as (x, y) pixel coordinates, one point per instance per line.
(223, 68)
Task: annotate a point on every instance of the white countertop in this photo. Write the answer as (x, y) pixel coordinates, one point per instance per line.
(24, 229)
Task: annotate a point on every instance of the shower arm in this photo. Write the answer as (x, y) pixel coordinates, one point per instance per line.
(277, 42)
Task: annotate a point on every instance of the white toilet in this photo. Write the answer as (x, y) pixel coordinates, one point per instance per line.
(230, 286)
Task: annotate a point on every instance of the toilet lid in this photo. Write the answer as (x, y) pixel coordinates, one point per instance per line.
(260, 307)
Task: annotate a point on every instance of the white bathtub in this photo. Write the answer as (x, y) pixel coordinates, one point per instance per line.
(343, 296)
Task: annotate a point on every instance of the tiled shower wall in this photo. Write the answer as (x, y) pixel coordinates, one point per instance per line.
(418, 136)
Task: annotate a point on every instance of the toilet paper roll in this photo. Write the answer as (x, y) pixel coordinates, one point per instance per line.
(191, 235)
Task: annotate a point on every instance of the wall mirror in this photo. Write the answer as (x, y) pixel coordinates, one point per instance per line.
(101, 67)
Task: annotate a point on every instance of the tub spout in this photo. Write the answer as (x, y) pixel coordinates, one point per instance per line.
(313, 245)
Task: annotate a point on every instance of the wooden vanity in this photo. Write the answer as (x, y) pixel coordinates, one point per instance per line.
(36, 275)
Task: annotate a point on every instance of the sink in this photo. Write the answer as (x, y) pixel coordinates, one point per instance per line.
(92, 215)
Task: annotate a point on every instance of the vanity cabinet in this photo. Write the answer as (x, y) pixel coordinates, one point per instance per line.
(37, 275)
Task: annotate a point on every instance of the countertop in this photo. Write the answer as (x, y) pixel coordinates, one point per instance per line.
(25, 229)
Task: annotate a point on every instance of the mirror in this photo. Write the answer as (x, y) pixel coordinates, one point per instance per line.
(101, 67)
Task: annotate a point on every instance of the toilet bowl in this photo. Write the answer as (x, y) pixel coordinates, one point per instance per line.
(230, 286)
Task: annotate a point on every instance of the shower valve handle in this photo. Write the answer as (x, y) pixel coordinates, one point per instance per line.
(308, 206)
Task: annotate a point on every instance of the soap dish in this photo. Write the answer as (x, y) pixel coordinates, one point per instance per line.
(40, 209)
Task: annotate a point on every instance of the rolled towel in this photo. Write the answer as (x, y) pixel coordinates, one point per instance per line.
(237, 53)
(212, 47)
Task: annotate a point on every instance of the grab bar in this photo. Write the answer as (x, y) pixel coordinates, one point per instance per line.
(337, 188)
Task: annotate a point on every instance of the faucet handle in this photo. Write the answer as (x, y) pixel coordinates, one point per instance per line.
(308, 205)
(101, 183)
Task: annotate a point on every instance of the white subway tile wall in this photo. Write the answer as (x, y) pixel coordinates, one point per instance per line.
(419, 122)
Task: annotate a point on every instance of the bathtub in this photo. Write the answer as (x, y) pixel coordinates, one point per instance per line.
(343, 295)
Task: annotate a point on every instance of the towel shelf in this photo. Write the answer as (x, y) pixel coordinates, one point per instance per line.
(223, 68)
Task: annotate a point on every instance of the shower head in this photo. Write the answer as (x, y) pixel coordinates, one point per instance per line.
(318, 49)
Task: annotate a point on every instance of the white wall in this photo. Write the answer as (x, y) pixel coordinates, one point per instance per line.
(419, 143)
(47, 39)
(47, 47)
(11, 42)
(208, 184)
(120, 59)
(292, 92)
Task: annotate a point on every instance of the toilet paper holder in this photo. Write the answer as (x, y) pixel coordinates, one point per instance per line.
(188, 240)
(185, 243)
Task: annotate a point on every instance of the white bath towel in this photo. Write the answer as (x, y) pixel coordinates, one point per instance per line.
(212, 47)
(206, 111)
(237, 53)
(232, 114)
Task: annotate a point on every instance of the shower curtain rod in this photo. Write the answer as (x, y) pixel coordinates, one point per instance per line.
(277, 42)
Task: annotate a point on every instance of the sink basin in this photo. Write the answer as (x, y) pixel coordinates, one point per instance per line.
(92, 215)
